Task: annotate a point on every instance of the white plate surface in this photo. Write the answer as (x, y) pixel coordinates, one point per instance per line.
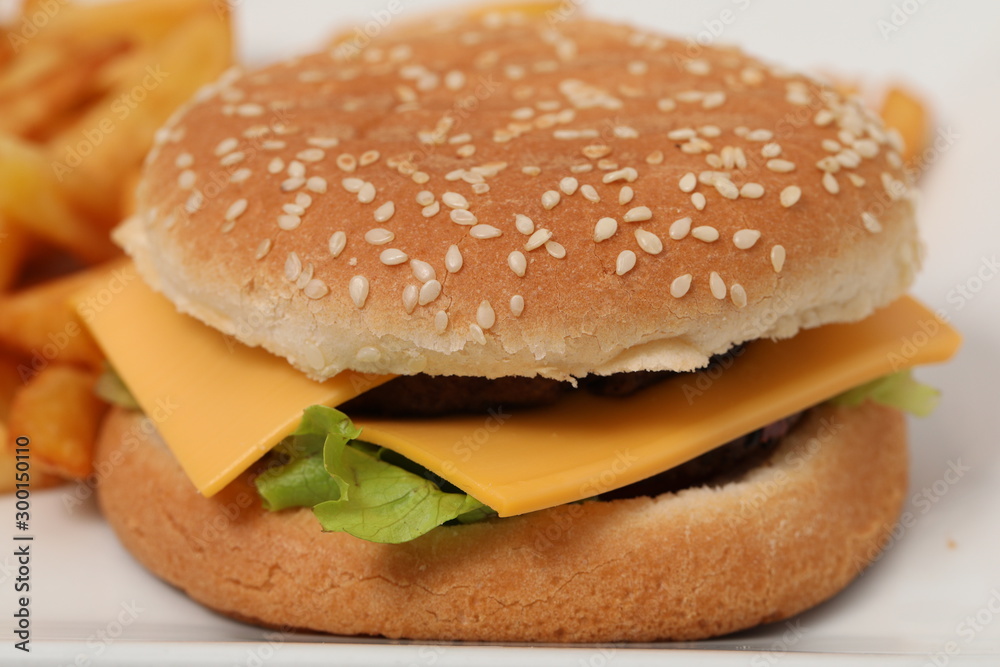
(932, 599)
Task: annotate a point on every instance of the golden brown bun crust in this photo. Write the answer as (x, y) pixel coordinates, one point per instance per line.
(700, 563)
(538, 102)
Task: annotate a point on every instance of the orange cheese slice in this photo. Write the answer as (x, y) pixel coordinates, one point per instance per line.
(220, 405)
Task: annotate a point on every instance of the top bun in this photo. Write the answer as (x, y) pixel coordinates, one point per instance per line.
(429, 203)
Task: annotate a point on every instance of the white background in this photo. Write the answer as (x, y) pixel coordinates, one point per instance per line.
(904, 610)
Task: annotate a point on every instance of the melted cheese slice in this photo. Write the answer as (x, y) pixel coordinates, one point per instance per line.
(220, 405)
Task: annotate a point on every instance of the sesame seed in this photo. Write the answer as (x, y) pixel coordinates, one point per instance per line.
(760, 135)
(688, 182)
(727, 188)
(829, 164)
(518, 263)
(411, 293)
(625, 195)
(531, 171)
(187, 179)
(589, 193)
(316, 289)
(358, 290)
(628, 174)
(384, 212)
(368, 355)
(699, 201)
(823, 117)
(289, 222)
(422, 271)
(745, 239)
(369, 157)
(656, 157)
(462, 217)
(468, 150)
(379, 236)
(292, 184)
(441, 321)
(550, 199)
(790, 196)
(625, 262)
(454, 80)
(366, 195)
(337, 243)
(710, 131)
(393, 257)
(596, 151)
(830, 145)
(431, 210)
(680, 286)
(484, 232)
(274, 145)
(752, 190)
(581, 168)
(705, 233)
(717, 285)
(323, 142)
(524, 224)
(453, 259)
(353, 185)
(425, 197)
(538, 239)
(682, 134)
(680, 228)
(870, 222)
(856, 180)
(232, 159)
(455, 200)
(605, 229)
(226, 146)
(293, 267)
(184, 160)
(236, 209)
(569, 185)
(347, 162)
(649, 241)
(293, 209)
(866, 148)
(296, 169)
(555, 249)
(486, 317)
(517, 305)
(738, 295)
(263, 249)
(276, 166)
(317, 184)
(666, 105)
(778, 258)
(771, 150)
(477, 334)
(780, 166)
(625, 132)
(430, 291)
(830, 183)
(713, 100)
(638, 214)
(848, 158)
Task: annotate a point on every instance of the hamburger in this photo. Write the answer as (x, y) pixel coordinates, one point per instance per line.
(559, 223)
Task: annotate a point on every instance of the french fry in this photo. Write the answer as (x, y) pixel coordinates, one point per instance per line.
(14, 244)
(117, 131)
(60, 413)
(10, 382)
(31, 197)
(8, 466)
(40, 324)
(904, 112)
(145, 21)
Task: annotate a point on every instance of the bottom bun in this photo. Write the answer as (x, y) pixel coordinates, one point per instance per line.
(702, 562)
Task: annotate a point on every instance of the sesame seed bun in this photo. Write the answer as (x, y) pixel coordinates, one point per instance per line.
(431, 203)
(702, 562)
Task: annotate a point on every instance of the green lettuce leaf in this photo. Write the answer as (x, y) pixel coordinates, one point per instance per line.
(352, 489)
(898, 390)
(111, 389)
